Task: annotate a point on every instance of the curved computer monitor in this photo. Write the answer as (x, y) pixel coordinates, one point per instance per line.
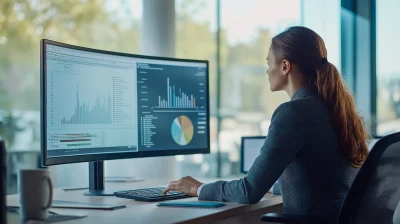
(99, 105)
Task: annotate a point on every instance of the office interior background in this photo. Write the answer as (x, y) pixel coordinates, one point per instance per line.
(234, 35)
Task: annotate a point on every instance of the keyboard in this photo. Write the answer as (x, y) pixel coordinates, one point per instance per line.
(150, 194)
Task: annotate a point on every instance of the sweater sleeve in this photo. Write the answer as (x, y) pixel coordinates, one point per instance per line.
(286, 137)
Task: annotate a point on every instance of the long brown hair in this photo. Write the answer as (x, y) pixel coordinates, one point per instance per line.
(306, 49)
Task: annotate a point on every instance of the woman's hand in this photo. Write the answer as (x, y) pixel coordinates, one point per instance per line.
(186, 185)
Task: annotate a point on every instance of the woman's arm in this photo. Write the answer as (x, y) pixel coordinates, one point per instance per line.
(286, 137)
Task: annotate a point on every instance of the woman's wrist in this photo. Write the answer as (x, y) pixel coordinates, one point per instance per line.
(199, 189)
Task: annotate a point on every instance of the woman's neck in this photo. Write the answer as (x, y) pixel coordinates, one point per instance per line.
(295, 84)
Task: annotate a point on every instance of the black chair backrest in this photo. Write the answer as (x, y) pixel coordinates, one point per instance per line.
(375, 192)
(2, 182)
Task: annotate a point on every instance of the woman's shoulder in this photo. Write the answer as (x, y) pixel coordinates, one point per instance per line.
(288, 110)
(298, 104)
(301, 107)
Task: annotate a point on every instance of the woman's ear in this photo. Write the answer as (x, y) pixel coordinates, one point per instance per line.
(286, 66)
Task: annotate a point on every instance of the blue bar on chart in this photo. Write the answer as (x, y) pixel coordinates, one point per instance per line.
(176, 99)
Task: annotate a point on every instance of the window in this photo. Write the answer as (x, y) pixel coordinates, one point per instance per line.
(97, 24)
(247, 102)
(388, 71)
(104, 24)
(196, 39)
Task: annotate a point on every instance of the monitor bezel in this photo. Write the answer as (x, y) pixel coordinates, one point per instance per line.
(108, 156)
(244, 138)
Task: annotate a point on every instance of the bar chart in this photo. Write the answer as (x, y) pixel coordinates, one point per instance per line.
(98, 113)
(176, 98)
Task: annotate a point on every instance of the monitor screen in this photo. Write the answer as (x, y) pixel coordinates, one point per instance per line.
(100, 105)
(250, 149)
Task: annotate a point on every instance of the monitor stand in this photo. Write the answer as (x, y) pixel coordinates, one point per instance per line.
(96, 180)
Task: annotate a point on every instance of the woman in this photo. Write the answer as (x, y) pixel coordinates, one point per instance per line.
(316, 141)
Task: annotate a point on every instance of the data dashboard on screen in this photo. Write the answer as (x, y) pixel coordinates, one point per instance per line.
(104, 103)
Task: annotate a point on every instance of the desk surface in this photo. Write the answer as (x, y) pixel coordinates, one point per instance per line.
(145, 212)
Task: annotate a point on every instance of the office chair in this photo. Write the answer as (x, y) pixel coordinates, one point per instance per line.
(396, 216)
(374, 194)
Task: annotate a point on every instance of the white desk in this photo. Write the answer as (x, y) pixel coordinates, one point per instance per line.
(148, 212)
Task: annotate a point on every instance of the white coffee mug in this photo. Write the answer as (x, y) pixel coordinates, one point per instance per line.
(35, 193)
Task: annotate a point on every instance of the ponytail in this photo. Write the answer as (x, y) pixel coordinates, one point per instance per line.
(346, 121)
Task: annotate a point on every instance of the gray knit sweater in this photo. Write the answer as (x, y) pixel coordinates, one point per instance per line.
(302, 150)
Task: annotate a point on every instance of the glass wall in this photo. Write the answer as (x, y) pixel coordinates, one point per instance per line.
(247, 103)
(103, 24)
(388, 70)
(323, 16)
(110, 25)
(196, 39)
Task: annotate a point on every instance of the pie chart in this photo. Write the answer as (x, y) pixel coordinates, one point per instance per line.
(182, 130)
